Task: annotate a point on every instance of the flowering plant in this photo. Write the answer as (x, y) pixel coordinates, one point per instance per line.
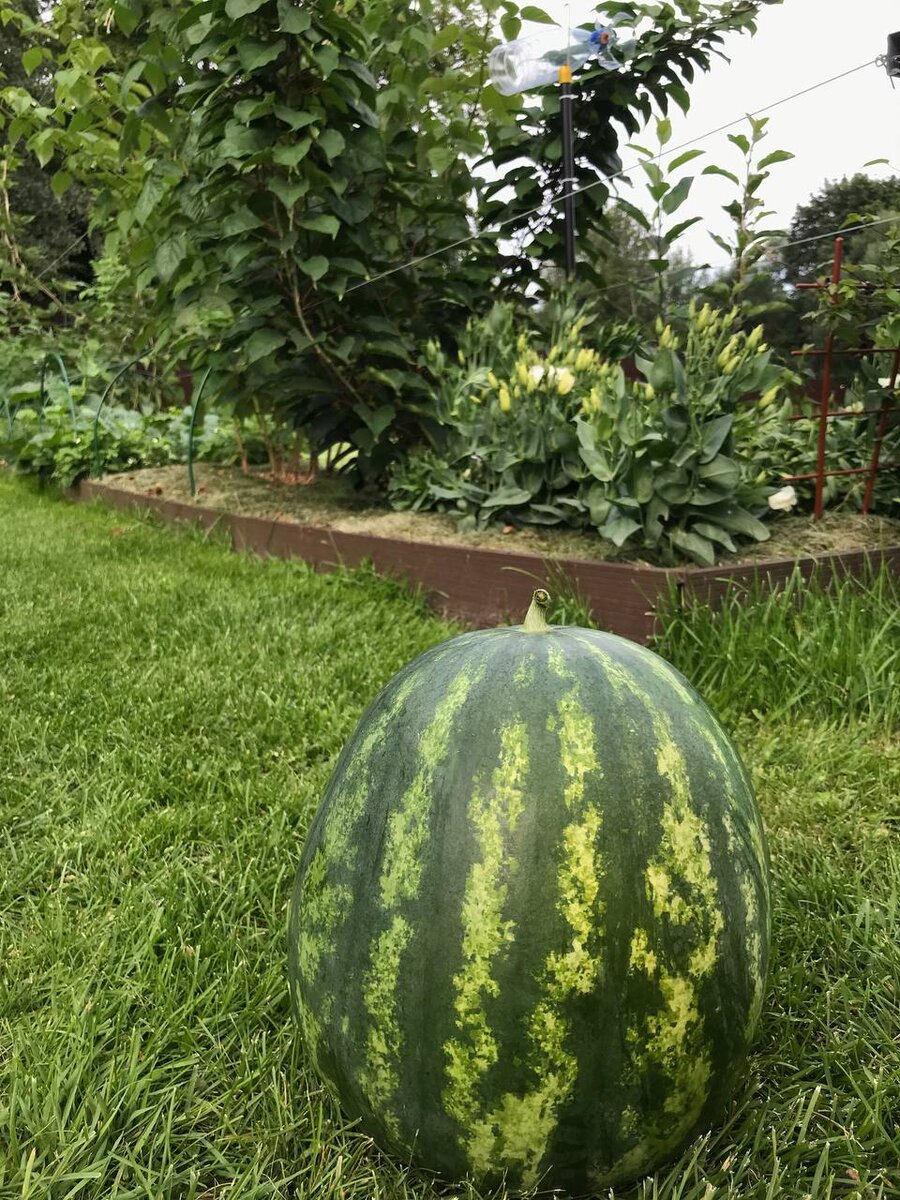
(666, 463)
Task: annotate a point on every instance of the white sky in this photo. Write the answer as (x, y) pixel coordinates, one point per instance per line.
(832, 132)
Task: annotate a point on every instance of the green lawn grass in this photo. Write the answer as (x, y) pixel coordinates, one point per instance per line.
(170, 714)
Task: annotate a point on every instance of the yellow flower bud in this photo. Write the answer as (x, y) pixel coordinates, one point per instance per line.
(650, 391)
(768, 397)
(584, 359)
(522, 374)
(493, 380)
(565, 381)
(504, 398)
(659, 325)
(755, 338)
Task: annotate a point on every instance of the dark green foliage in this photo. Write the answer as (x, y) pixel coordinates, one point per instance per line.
(838, 204)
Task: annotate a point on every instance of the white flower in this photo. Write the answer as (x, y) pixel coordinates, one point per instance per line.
(537, 373)
(784, 500)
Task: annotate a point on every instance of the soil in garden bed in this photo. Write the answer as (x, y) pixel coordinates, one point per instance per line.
(333, 502)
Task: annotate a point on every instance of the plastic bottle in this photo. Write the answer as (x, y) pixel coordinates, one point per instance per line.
(533, 62)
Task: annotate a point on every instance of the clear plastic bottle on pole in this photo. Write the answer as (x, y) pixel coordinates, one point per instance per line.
(533, 62)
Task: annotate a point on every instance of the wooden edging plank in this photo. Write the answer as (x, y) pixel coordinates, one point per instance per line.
(486, 587)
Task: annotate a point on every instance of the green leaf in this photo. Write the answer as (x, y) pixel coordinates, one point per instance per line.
(322, 223)
(331, 143)
(629, 423)
(32, 59)
(714, 433)
(537, 15)
(680, 96)
(328, 58)
(722, 473)
(739, 140)
(594, 458)
(254, 54)
(240, 221)
(738, 520)
(60, 183)
(262, 343)
(635, 213)
(377, 420)
(664, 131)
(440, 158)
(126, 18)
(314, 267)
(289, 191)
(290, 155)
(295, 118)
(507, 497)
(776, 156)
(446, 37)
(721, 171)
(688, 156)
(292, 18)
(715, 534)
(169, 256)
(677, 195)
(617, 528)
(673, 234)
(241, 8)
(699, 549)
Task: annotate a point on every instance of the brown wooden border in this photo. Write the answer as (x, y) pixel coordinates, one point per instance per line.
(487, 587)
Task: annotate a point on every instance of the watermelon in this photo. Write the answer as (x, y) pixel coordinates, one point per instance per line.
(530, 928)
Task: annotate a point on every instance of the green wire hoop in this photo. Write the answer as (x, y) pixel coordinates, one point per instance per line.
(51, 354)
(190, 445)
(109, 387)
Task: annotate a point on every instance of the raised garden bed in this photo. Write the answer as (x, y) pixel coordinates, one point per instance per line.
(487, 578)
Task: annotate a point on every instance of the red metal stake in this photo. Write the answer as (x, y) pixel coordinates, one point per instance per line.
(825, 399)
(886, 407)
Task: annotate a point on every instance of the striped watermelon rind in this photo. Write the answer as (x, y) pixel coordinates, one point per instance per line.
(530, 929)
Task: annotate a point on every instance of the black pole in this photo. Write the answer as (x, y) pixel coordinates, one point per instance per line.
(568, 149)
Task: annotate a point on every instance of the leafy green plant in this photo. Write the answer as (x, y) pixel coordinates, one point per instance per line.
(674, 463)
(668, 187)
(749, 241)
(674, 460)
(47, 444)
(508, 446)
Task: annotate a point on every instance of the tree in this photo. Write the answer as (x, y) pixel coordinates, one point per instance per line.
(837, 205)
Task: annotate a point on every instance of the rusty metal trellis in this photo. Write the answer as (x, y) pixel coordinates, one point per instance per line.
(826, 413)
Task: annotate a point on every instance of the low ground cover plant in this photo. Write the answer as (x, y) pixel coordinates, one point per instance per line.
(57, 443)
(158, 778)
